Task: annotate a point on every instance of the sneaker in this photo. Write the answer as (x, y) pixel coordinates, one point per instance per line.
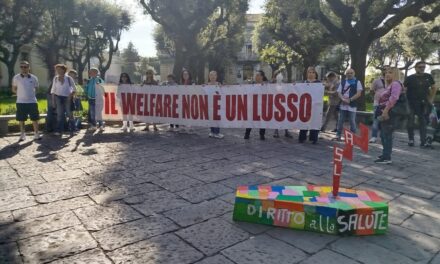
(373, 140)
(124, 129)
(37, 136)
(276, 135)
(219, 136)
(334, 130)
(336, 139)
(101, 128)
(92, 128)
(132, 129)
(146, 128)
(155, 129)
(246, 136)
(383, 161)
(57, 134)
(211, 135)
(411, 143)
(22, 137)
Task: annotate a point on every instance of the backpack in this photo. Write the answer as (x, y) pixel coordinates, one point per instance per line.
(352, 92)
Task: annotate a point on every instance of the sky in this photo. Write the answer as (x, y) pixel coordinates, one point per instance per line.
(141, 31)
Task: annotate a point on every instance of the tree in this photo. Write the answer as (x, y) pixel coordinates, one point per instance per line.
(403, 45)
(19, 24)
(52, 41)
(90, 14)
(112, 35)
(336, 58)
(289, 22)
(359, 22)
(130, 58)
(199, 30)
(182, 23)
(222, 37)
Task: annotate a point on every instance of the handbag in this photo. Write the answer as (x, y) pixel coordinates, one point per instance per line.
(401, 107)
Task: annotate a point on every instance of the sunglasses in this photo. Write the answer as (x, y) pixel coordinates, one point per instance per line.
(24, 67)
(421, 67)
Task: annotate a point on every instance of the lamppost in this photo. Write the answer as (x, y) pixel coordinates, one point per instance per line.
(75, 30)
(435, 34)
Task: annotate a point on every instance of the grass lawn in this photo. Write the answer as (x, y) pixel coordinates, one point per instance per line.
(7, 106)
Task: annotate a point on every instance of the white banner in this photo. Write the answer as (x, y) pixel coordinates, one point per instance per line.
(282, 106)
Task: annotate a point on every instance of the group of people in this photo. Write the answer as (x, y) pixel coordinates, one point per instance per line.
(343, 96)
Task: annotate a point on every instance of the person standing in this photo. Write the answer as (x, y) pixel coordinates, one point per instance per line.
(349, 91)
(63, 89)
(149, 80)
(278, 78)
(90, 91)
(385, 115)
(171, 81)
(420, 91)
(215, 131)
(186, 79)
(377, 87)
(261, 79)
(25, 86)
(312, 77)
(77, 96)
(124, 79)
(331, 87)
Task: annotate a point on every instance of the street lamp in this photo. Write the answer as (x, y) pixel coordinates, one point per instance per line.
(99, 32)
(435, 34)
(75, 30)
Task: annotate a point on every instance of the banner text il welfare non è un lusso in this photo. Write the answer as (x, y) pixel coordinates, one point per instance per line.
(277, 106)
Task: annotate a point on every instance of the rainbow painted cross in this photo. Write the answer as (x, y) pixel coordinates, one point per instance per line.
(324, 209)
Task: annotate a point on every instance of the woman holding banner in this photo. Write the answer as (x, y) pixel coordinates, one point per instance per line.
(149, 80)
(260, 78)
(312, 77)
(386, 113)
(278, 78)
(186, 79)
(124, 78)
(215, 131)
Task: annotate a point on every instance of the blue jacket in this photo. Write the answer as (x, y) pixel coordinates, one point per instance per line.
(90, 88)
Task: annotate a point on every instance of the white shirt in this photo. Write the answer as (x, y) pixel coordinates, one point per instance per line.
(344, 106)
(63, 89)
(26, 88)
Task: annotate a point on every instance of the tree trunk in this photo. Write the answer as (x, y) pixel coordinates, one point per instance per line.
(10, 75)
(358, 63)
(179, 62)
(11, 65)
(289, 72)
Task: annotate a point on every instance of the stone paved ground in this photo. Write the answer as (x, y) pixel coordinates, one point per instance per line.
(168, 198)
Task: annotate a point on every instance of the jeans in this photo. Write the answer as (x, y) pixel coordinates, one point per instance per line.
(417, 109)
(343, 114)
(215, 130)
(92, 113)
(63, 106)
(50, 120)
(375, 126)
(332, 112)
(386, 136)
